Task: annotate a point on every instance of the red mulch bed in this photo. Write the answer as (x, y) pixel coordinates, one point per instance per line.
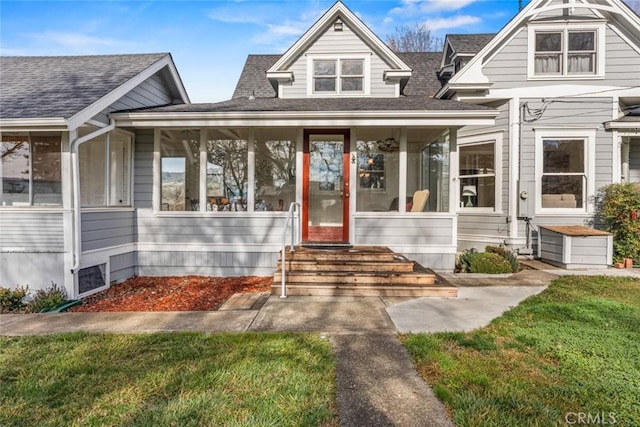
(189, 293)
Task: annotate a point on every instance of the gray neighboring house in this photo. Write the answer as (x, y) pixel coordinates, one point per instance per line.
(109, 171)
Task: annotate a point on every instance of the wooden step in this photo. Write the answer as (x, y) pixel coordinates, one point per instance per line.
(352, 266)
(356, 253)
(351, 278)
(366, 291)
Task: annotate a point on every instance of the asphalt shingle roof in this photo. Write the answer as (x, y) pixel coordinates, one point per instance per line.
(406, 103)
(61, 86)
(253, 79)
(469, 44)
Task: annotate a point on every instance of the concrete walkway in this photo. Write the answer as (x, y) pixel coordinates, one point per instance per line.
(376, 380)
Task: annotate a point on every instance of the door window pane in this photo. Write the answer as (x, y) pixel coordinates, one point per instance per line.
(275, 169)
(180, 168)
(326, 180)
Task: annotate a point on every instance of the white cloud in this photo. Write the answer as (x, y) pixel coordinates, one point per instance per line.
(75, 40)
(453, 22)
(412, 7)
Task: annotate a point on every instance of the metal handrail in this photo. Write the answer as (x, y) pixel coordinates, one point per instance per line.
(292, 209)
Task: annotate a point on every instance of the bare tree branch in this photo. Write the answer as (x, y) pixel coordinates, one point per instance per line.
(416, 38)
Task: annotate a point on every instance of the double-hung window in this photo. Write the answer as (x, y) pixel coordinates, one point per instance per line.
(566, 51)
(563, 163)
(338, 76)
(479, 172)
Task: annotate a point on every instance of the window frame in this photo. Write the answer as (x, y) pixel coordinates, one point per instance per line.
(589, 138)
(339, 92)
(107, 172)
(597, 28)
(487, 138)
(30, 203)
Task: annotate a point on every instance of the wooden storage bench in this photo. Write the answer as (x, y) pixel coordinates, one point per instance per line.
(575, 246)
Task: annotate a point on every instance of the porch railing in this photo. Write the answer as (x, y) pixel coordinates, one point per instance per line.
(289, 219)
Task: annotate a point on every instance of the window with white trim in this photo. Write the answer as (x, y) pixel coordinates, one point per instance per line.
(564, 170)
(569, 51)
(563, 173)
(338, 76)
(31, 169)
(478, 175)
(105, 171)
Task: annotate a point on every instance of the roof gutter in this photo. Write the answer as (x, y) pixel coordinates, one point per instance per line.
(75, 168)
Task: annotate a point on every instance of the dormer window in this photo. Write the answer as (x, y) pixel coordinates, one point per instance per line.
(566, 52)
(338, 76)
(327, 73)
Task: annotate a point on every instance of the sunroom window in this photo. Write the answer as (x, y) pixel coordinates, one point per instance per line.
(275, 169)
(227, 170)
(105, 171)
(30, 168)
(180, 170)
(378, 159)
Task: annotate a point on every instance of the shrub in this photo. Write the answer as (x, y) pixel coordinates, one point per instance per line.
(505, 253)
(618, 211)
(489, 263)
(47, 298)
(11, 299)
(464, 260)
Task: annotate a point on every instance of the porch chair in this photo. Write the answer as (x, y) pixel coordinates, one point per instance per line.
(419, 200)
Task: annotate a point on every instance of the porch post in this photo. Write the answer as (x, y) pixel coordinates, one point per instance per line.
(625, 148)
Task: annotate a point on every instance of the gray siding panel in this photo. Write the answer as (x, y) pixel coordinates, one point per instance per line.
(151, 263)
(105, 229)
(143, 169)
(508, 68)
(401, 231)
(122, 267)
(32, 231)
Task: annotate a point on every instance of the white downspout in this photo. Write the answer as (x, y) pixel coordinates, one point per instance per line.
(75, 171)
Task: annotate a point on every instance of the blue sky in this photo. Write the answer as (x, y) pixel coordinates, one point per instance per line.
(209, 40)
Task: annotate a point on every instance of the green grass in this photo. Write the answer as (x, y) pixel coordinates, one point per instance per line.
(178, 379)
(573, 348)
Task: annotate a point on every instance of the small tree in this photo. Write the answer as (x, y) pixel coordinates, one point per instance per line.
(416, 38)
(618, 211)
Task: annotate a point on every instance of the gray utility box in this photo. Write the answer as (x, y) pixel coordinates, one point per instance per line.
(575, 246)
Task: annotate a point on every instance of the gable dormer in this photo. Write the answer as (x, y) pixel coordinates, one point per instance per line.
(458, 50)
(339, 56)
(579, 42)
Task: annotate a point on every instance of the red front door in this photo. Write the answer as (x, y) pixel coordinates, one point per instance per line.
(325, 194)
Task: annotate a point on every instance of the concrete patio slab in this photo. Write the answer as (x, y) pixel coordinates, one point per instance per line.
(43, 324)
(322, 314)
(475, 307)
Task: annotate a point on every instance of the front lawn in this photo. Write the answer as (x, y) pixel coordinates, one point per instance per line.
(569, 354)
(177, 379)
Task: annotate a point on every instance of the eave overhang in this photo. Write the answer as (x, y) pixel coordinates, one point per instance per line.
(626, 125)
(34, 124)
(408, 118)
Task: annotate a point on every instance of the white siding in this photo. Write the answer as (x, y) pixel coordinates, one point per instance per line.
(37, 270)
(167, 263)
(31, 231)
(122, 267)
(344, 42)
(634, 160)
